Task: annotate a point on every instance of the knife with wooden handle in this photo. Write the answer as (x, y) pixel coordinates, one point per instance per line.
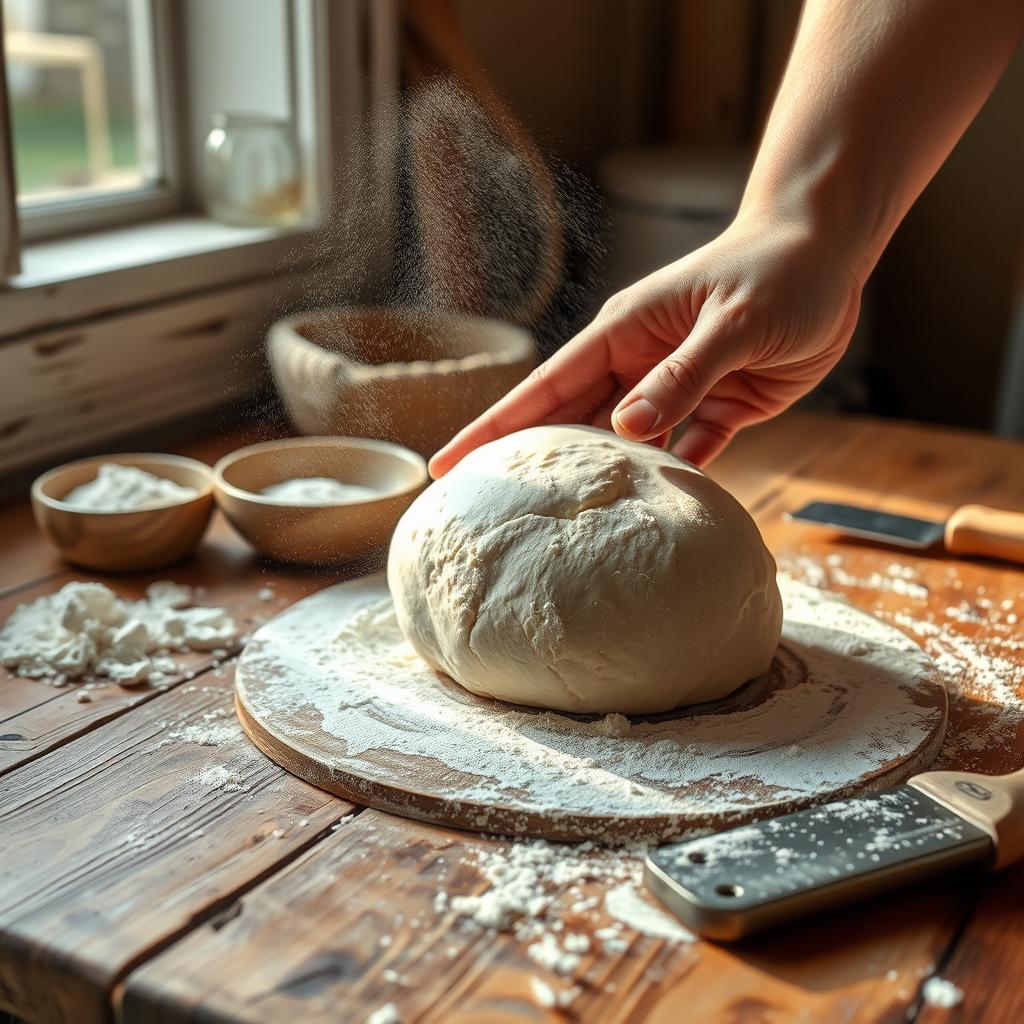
(970, 530)
(989, 532)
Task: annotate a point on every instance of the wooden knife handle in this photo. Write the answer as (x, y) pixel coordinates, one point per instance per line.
(993, 803)
(989, 532)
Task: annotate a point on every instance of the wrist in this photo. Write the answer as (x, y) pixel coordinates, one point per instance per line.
(816, 210)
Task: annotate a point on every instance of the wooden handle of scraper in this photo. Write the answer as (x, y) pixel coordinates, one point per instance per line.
(993, 803)
(989, 532)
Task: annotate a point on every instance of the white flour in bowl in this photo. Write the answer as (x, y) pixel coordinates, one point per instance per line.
(85, 629)
(317, 490)
(118, 488)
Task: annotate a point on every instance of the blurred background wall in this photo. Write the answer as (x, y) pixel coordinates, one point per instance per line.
(592, 76)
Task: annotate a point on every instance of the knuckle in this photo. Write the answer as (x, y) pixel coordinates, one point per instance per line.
(718, 431)
(539, 373)
(616, 305)
(743, 315)
(541, 377)
(678, 372)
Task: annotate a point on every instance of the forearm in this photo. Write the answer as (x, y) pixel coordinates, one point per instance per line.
(876, 94)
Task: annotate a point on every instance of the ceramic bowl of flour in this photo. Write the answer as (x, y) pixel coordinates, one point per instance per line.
(125, 512)
(318, 500)
(401, 375)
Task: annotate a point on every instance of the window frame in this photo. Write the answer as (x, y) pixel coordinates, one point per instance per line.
(10, 224)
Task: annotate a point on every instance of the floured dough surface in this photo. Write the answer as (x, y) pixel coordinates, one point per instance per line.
(566, 568)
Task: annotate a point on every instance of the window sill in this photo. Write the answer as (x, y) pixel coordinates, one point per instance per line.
(76, 278)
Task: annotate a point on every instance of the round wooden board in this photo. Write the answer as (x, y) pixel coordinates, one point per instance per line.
(331, 692)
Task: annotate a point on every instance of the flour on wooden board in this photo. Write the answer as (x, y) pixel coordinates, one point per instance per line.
(218, 776)
(549, 896)
(85, 631)
(340, 662)
(386, 1014)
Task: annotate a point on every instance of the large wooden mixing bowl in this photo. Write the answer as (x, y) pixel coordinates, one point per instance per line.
(401, 375)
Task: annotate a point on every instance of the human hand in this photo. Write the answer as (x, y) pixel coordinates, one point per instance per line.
(730, 335)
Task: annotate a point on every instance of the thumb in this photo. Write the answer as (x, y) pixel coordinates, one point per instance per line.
(676, 386)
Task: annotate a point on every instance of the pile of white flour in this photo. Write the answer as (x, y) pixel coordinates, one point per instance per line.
(317, 490)
(85, 630)
(126, 489)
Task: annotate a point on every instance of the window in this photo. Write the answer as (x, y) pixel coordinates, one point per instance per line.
(133, 303)
(109, 103)
(81, 83)
(90, 116)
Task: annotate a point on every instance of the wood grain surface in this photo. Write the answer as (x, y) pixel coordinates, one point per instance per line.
(111, 903)
(122, 839)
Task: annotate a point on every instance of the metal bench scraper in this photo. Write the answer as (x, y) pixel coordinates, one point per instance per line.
(747, 879)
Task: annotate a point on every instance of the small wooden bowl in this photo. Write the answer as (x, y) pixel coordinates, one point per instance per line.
(318, 534)
(402, 375)
(118, 541)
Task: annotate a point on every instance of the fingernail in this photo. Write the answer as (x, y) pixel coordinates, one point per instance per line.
(638, 418)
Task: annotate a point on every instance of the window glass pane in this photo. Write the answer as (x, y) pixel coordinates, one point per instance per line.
(81, 86)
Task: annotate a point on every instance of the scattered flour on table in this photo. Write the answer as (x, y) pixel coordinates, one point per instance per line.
(548, 997)
(939, 992)
(549, 954)
(86, 630)
(118, 488)
(218, 776)
(317, 490)
(624, 903)
(550, 896)
(543, 993)
(387, 1014)
(975, 642)
(214, 727)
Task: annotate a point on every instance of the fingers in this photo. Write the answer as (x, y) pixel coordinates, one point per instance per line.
(714, 424)
(602, 417)
(574, 380)
(674, 388)
(702, 441)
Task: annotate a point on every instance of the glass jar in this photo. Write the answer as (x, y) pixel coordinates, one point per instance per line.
(252, 171)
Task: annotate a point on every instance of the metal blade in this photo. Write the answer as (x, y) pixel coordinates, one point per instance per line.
(737, 882)
(903, 531)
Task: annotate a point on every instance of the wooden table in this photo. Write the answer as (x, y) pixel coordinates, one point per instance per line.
(129, 891)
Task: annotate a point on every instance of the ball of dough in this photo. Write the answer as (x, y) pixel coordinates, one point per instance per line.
(566, 568)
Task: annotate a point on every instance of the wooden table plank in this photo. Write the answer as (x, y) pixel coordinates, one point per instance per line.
(911, 468)
(27, 558)
(988, 960)
(121, 840)
(378, 879)
(763, 458)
